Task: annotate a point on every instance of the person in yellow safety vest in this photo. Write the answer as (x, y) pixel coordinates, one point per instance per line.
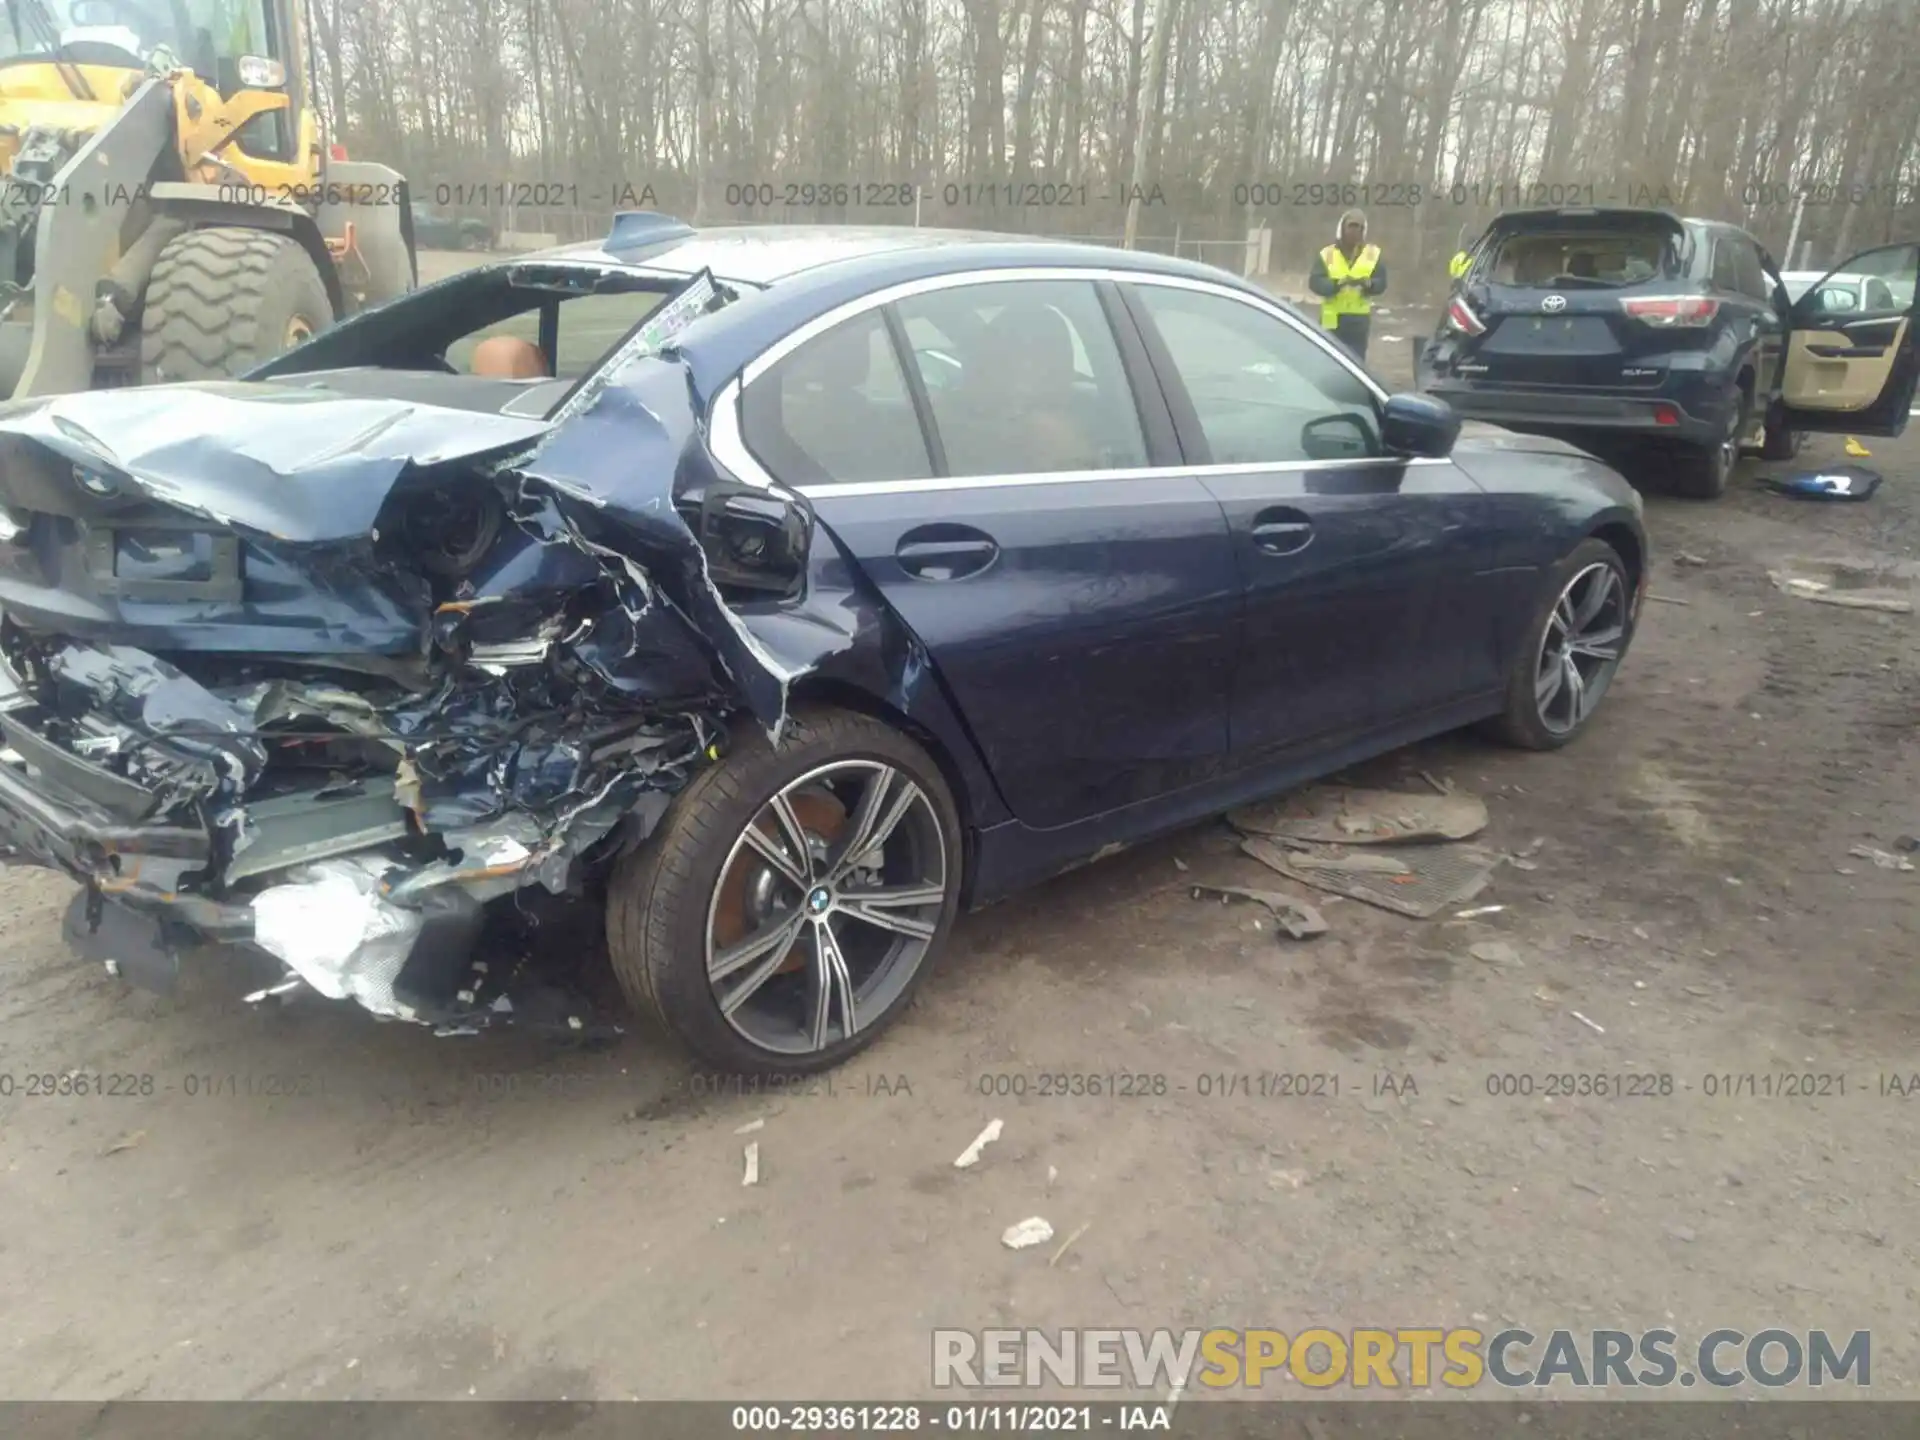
(1346, 276)
(1459, 265)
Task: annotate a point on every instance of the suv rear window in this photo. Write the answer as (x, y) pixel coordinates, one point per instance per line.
(1592, 258)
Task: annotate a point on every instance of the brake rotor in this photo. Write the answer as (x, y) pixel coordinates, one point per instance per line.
(747, 888)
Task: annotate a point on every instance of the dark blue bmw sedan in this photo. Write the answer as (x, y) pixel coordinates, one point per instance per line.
(785, 590)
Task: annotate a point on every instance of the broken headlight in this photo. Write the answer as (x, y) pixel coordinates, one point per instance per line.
(447, 531)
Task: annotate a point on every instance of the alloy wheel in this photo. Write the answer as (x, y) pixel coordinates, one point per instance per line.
(826, 907)
(1581, 647)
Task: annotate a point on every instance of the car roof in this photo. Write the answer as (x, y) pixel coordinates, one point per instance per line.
(765, 255)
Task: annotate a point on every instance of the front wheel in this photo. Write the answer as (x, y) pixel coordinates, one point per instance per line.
(793, 898)
(1571, 651)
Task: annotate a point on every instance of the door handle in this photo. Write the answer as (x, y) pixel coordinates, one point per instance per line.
(1847, 352)
(1282, 532)
(945, 552)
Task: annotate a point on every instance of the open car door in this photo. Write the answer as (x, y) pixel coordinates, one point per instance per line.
(1853, 358)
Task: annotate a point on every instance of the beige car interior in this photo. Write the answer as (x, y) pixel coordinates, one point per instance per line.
(508, 357)
(1820, 382)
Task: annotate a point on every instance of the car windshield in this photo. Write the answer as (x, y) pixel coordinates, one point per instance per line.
(202, 35)
(1590, 258)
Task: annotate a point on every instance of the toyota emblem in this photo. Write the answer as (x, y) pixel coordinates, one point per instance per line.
(1554, 304)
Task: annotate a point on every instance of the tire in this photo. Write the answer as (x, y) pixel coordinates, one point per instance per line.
(667, 899)
(225, 299)
(1521, 723)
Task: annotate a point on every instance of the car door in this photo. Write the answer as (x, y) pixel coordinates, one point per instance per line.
(1853, 358)
(1740, 263)
(979, 448)
(1369, 597)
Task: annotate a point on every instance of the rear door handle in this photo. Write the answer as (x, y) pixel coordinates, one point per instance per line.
(945, 552)
(1282, 531)
(1847, 352)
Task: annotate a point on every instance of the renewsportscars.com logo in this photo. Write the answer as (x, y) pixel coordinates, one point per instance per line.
(1412, 1358)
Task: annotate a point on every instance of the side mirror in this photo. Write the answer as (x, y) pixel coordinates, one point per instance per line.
(755, 539)
(257, 72)
(1419, 425)
(1336, 437)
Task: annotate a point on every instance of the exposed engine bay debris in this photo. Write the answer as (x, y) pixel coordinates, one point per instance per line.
(474, 656)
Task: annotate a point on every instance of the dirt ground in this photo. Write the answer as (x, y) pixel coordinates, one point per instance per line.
(364, 1210)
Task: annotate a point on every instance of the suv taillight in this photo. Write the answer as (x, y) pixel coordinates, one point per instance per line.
(1463, 319)
(1667, 312)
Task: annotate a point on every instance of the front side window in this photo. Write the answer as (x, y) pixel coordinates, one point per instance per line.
(1263, 393)
(1023, 377)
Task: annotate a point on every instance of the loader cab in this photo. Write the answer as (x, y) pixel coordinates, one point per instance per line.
(231, 45)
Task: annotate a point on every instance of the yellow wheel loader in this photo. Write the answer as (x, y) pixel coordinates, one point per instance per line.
(167, 210)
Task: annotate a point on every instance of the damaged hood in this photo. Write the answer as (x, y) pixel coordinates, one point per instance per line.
(285, 460)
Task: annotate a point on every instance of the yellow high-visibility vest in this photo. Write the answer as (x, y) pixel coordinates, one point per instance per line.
(1459, 265)
(1347, 302)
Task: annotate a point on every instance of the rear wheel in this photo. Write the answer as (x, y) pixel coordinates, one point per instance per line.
(225, 299)
(793, 898)
(1701, 472)
(1571, 651)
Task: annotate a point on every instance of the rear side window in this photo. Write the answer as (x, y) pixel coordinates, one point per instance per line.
(1023, 377)
(1575, 258)
(837, 409)
(1751, 274)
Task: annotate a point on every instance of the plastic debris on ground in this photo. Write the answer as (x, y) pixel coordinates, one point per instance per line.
(1832, 482)
(1494, 952)
(1338, 815)
(1418, 880)
(1030, 1232)
(971, 1155)
(1883, 859)
(1295, 918)
(1843, 585)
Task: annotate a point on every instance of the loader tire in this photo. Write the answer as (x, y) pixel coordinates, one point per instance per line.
(225, 299)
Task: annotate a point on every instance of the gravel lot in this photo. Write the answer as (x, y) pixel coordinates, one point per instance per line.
(364, 1210)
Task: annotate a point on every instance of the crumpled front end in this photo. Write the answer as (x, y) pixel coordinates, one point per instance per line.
(335, 699)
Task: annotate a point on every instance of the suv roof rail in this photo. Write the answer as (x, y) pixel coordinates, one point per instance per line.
(633, 228)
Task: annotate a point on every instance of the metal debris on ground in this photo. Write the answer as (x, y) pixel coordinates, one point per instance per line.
(125, 1142)
(1830, 591)
(1668, 600)
(1295, 918)
(971, 1155)
(1881, 858)
(1478, 911)
(1597, 1029)
(1419, 881)
(1033, 1231)
(1338, 815)
(1441, 787)
(1687, 557)
(750, 1127)
(752, 1177)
